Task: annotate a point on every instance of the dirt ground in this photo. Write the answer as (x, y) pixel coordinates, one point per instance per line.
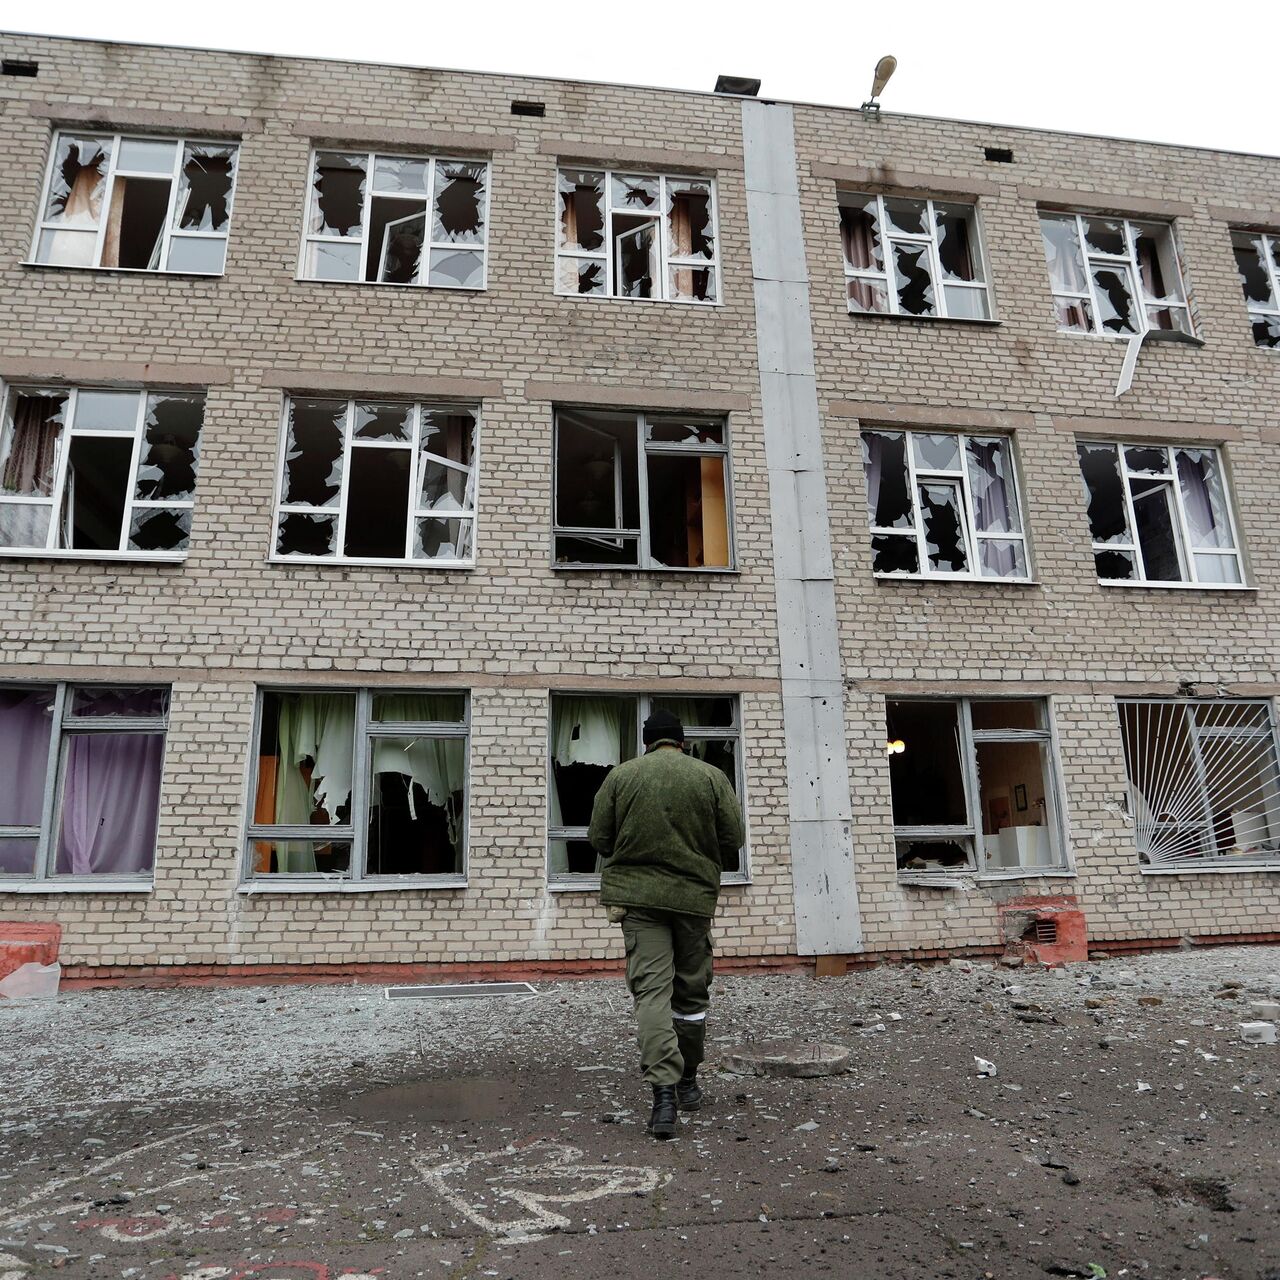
(311, 1133)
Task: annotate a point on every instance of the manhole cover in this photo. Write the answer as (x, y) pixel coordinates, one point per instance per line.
(797, 1059)
(469, 1098)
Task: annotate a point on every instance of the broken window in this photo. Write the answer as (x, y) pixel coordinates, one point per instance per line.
(943, 505)
(365, 787)
(137, 204)
(1159, 513)
(590, 733)
(1204, 784)
(641, 491)
(635, 236)
(80, 774)
(397, 220)
(86, 471)
(1113, 276)
(913, 257)
(974, 785)
(1258, 261)
(377, 481)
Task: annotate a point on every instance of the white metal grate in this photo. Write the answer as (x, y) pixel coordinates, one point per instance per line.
(1203, 779)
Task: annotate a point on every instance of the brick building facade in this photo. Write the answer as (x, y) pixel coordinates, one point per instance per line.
(778, 632)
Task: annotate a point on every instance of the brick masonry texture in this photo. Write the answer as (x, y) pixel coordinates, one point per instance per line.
(513, 629)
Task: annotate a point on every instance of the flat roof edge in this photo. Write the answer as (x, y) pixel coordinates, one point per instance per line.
(649, 88)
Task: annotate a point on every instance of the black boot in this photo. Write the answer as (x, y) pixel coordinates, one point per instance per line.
(691, 1037)
(688, 1094)
(662, 1124)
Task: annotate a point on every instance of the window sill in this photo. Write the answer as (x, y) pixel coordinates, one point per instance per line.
(394, 284)
(70, 885)
(636, 571)
(968, 878)
(334, 562)
(1236, 867)
(117, 557)
(252, 888)
(960, 320)
(1188, 339)
(660, 302)
(125, 271)
(1124, 584)
(591, 884)
(967, 579)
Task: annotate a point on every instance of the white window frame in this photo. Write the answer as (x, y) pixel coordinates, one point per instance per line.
(886, 277)
(46, 879)
(970, 739)
(415, 513)
(424, 203)
(56, 498)
(666, 259)
(1186, 553)
(355, 832)
(113, 170)
(916, 476)
(1197, 736)
(1269, 249)
(582, 882)
(1128, 261)
(642, 535)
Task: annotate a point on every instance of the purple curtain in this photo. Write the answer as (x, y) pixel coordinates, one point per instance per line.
(26, 719)
(110, 803)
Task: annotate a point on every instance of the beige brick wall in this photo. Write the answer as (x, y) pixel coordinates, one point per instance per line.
(1066, 636)
(512, 629)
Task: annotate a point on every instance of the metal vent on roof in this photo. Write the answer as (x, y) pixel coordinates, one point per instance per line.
(743, 86)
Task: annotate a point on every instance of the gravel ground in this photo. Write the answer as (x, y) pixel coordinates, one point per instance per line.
(311, 1133)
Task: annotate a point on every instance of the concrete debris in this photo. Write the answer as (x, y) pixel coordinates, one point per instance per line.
(1258, 1032)
(985, 1067)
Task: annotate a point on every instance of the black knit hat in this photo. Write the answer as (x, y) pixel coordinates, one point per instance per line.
(660, 725)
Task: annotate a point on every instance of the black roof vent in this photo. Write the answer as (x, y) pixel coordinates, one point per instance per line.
(528, 108)
(12, 67)
(998, 155)
(743, 86)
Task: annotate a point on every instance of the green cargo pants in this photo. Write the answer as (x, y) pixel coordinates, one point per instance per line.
(669, 977)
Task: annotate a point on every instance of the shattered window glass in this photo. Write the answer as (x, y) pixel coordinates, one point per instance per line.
(591, 733)
(1158, 514)
(418, 221)
(923, 517)
(94, 216)
(912, 257)
(67, 456)
(375, 481)
(1112, 276)
(1258, 262)
(602, 463)
(974, 786)
(636, 236)
(310, 819)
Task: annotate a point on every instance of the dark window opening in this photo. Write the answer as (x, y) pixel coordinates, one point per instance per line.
(13, 67)
(998, 155)
(96, 491)
(377, 504)
(135, 223)
(528, 108)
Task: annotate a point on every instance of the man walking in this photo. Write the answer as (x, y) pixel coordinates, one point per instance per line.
(665, 823)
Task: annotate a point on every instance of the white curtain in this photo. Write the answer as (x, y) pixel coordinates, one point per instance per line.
(589, 730)
(320, 727)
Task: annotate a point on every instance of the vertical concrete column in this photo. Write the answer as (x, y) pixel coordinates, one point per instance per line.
(826, 894)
